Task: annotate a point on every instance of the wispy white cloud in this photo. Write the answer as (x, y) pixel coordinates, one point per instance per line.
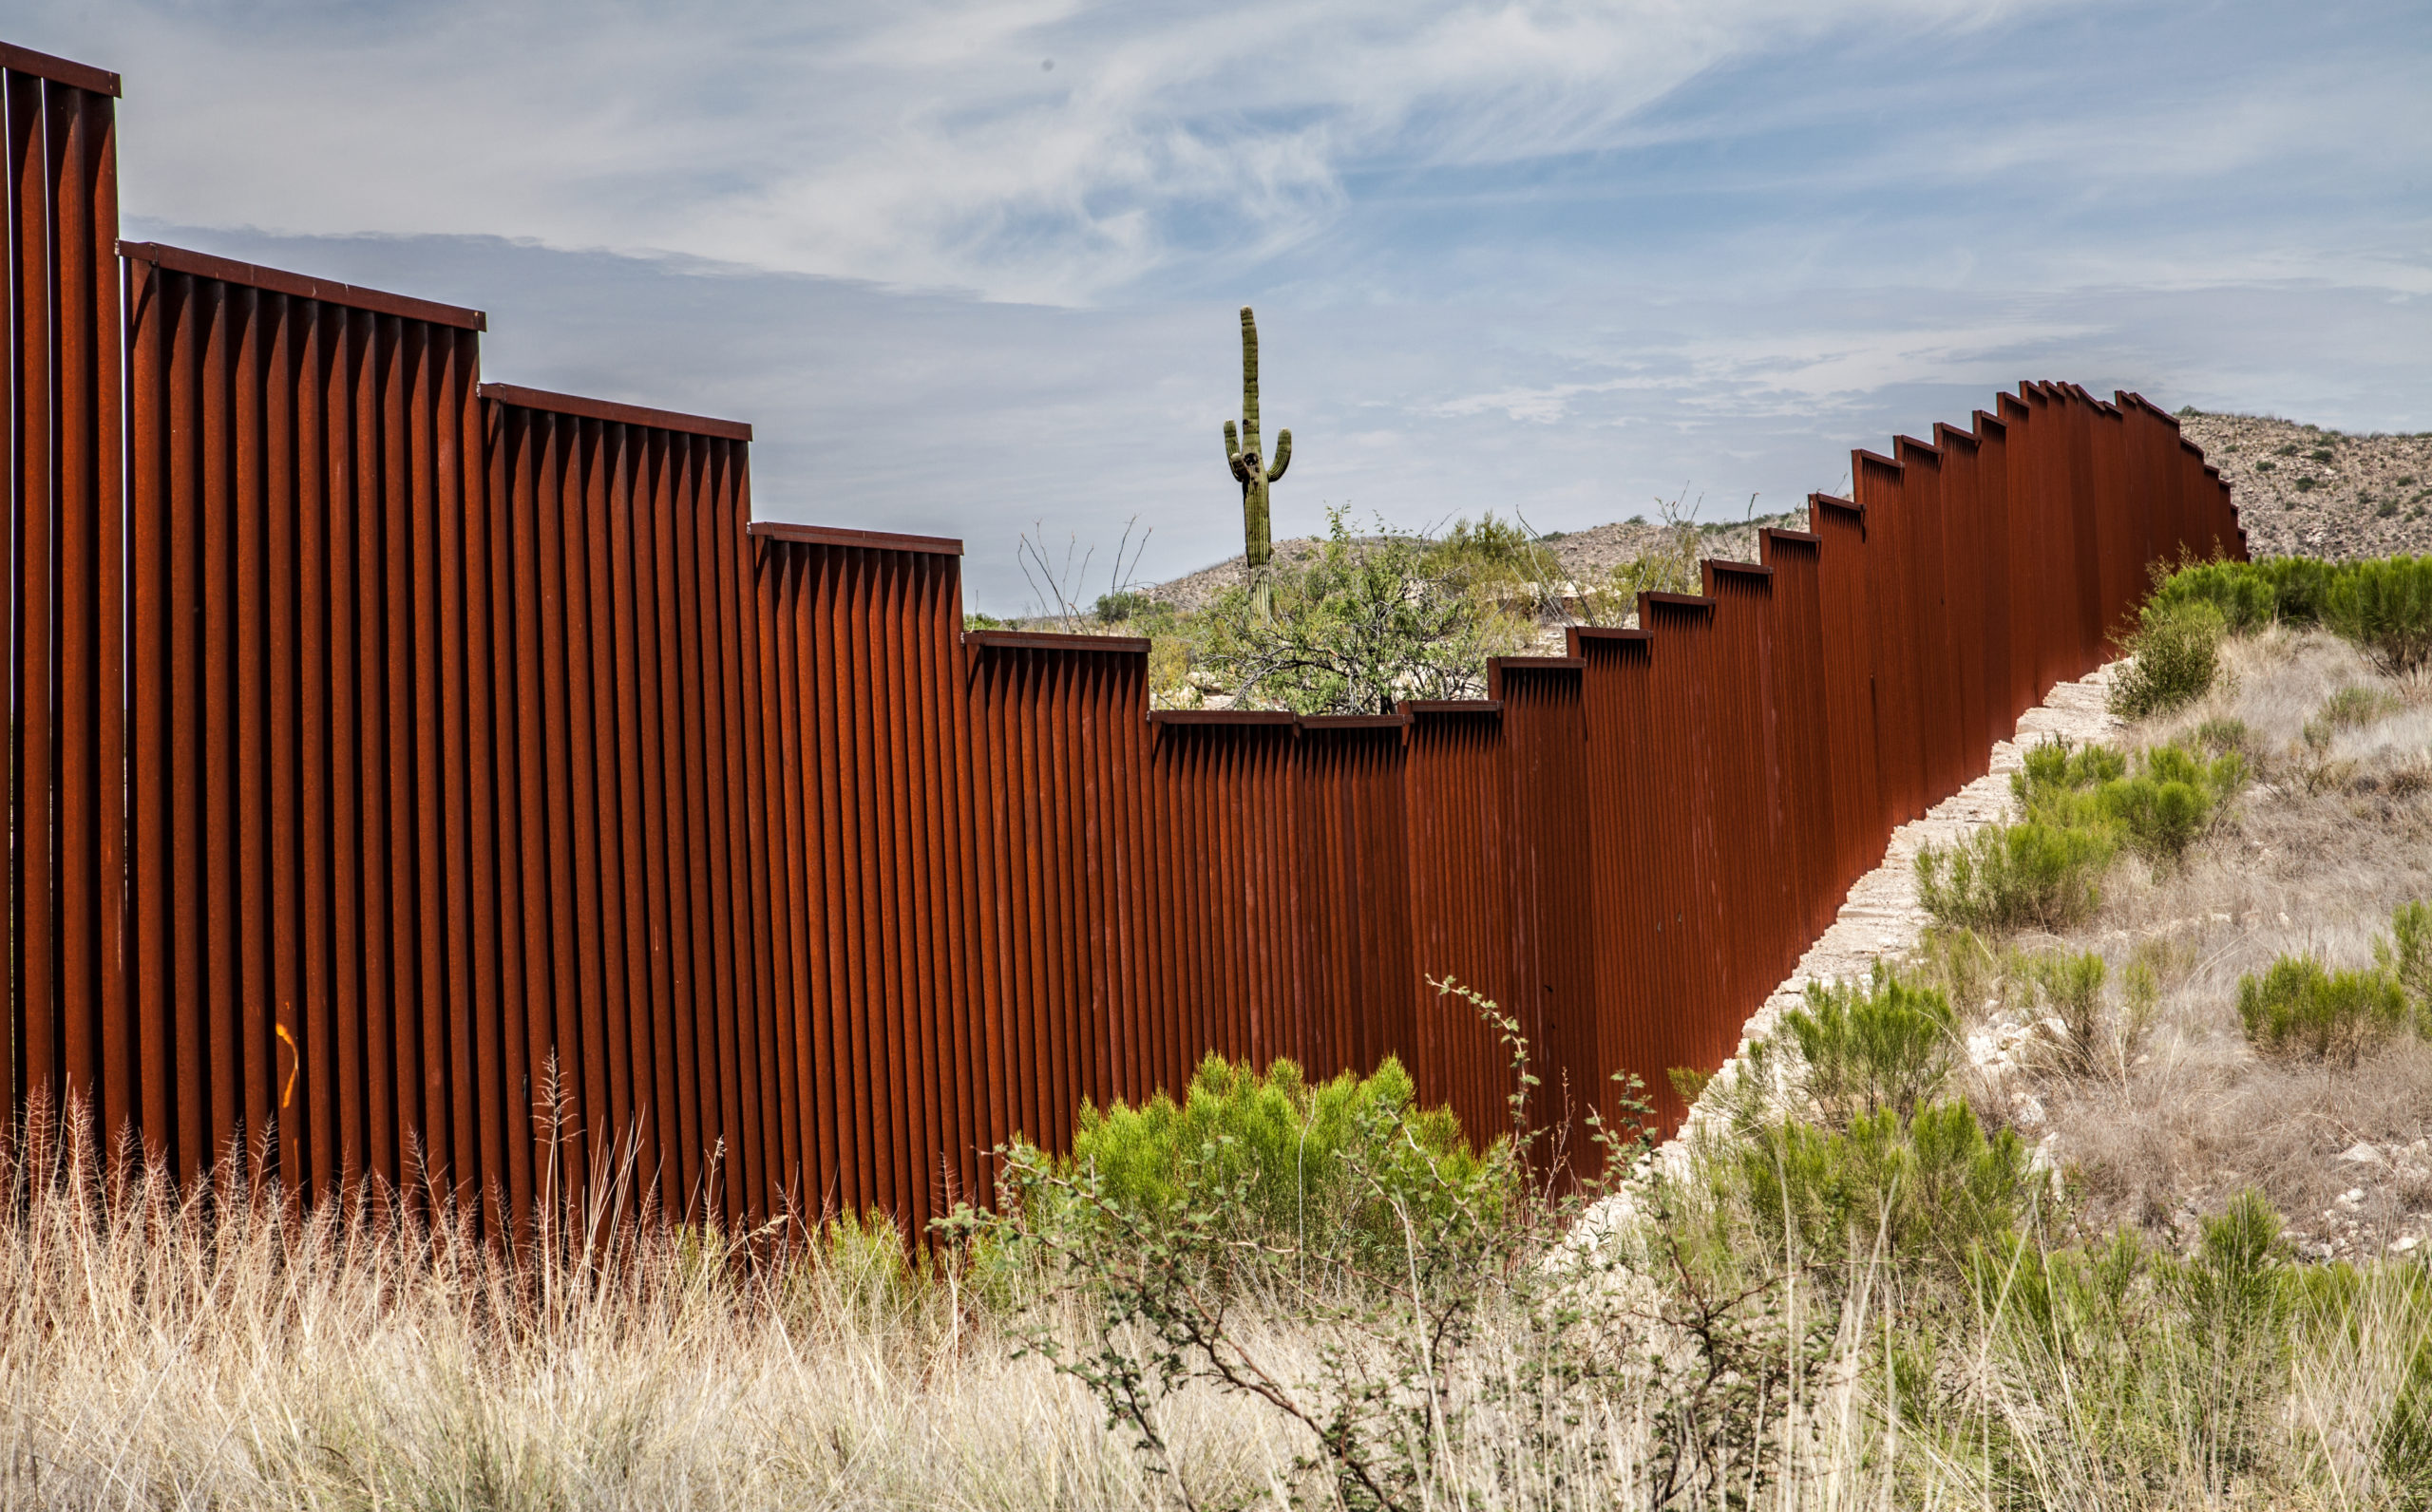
(927, 145)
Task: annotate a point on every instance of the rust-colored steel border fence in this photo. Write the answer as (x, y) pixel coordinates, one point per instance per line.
(447, 785)
(67, 990)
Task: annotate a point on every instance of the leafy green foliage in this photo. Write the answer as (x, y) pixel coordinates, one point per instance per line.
(2176, 651)
(2298, 1007)
(2406, 1440)
(2385, 607)
(1494, 557)
(2082, 804)
(1873, 1047)
(2240, 594)
(2406, 955)
(1164, 1223)
(1121, 606)
(2355, 707)
(1288, 1152)
(2003, 877)
(1933, 1186)
(2220, 736)
(1357, 628)
(2170, 800)
(2158, 802)
(2168, 1365)
(2237, 1296)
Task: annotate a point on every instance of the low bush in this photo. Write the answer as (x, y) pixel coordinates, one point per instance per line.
(1872, 1047)
(1294, 1158)
(2299, 1009)
(2176, 652)
(1123, 605)
(1357, 627)
(2406, 955)
(2299, 585)
(2158, 802)
(2385, 607)
(2004, 877)
(2172, 1368)
(2406, 1440)
(2220, 736)
(1934, 1186)
(2170, 800)
(2243, 598)
(2059, 781)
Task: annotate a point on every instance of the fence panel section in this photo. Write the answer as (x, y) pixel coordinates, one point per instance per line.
(70, 1036)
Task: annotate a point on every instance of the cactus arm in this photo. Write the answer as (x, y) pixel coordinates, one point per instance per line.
(1234, 455)
(1282, 455)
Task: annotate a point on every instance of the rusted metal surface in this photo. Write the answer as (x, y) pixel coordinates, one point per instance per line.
(496, 811)
(302, 473)
(71, 1038)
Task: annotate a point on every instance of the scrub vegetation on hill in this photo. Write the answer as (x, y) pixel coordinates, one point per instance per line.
(2114, 1194)
(1369, 614)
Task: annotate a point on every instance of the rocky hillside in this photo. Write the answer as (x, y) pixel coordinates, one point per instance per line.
(2304, 491)
(2300, 490)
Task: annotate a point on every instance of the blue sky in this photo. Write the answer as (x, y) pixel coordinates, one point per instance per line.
(1546, 258)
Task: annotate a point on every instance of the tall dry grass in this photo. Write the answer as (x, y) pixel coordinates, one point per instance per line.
(220, 1351)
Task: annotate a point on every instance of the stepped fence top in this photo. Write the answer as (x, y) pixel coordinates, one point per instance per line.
(441, 784)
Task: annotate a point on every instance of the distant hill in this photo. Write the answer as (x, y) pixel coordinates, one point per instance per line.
(2304, 491)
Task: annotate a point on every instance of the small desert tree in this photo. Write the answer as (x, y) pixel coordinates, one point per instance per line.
(1354, 630)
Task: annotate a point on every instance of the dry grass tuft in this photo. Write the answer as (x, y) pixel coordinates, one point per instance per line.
(223, 1351)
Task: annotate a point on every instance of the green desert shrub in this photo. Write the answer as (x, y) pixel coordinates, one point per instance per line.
(2057, 777)
(2355, 707)
(2299, 585)
(1934, 1186)
(1123, 605)
(2385, 607)
(2176, 653)
(2172, 1370)
(2156, 802)
(2301, 1010)
(2235, 1296)
(2286, 590)
(2004, 877)
(2406, 955)
(1291, 1157)
(1356, 627)
(2170, 799)
(2244, 599)
(1873, 1045)
(1493, 557)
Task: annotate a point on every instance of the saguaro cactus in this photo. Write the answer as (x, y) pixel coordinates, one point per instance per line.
(1252, 469)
